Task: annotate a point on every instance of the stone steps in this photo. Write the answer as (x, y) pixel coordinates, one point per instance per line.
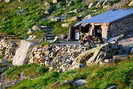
(49, 35)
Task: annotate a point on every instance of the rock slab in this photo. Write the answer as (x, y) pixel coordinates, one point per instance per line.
(21, 54)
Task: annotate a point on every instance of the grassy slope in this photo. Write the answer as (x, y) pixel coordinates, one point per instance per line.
(32, 13)
(97, 76)
(18, 24)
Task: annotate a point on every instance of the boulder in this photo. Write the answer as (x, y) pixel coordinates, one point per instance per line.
(112, 87)
(72, 19)
(22, 53)
(79, 82)
(30, 31)
(55, 1)
(65, 25)
(71, 2)
(56, 19)
(7, 1)
(35, 27)
(31, 37)
(47, 4)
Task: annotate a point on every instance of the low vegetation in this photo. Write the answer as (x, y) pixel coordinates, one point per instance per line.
(97, 76)
(17, 17)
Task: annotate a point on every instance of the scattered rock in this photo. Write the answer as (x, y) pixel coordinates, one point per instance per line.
(21, 11)
(55, 1)
(79, 82)
(65, 25)
(7, 1)
(67, 82)
(71, 2)
(31, 37)
(30, 32)
(58, 19)
(72, 19)
(112, 87)
(35, 28)
(47, 4)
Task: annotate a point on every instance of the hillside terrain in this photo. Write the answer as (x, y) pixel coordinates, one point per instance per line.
(96, 77)
(17, 17)
(24, 19)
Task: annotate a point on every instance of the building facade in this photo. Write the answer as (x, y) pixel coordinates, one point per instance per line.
(107, 25)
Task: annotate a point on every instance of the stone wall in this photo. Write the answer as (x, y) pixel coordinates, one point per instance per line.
(7, 48)
(57, 57)
(122, 26)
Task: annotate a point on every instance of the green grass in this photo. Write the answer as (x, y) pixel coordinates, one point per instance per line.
(97, 76)
(18, 24)
(33, 14)
(30, 70)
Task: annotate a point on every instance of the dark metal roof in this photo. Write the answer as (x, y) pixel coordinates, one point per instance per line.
(109, 16)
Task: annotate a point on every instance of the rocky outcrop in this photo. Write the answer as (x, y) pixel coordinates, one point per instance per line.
(21, 55)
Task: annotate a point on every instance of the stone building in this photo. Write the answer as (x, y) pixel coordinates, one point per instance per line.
(109, 24)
